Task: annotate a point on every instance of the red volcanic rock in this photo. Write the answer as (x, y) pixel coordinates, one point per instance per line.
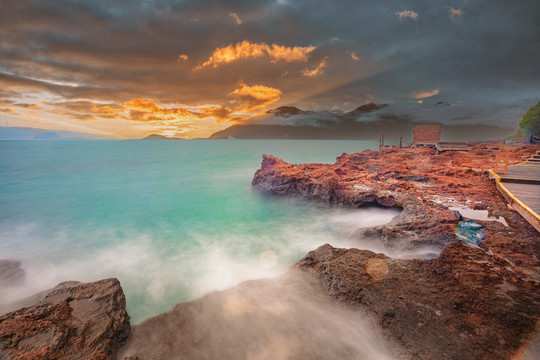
(465, 304)
(471, 302)
(73, 321)
(421, 183)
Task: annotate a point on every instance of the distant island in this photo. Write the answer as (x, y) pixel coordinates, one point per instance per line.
(159, 137)
(366, 122)
(29, 133)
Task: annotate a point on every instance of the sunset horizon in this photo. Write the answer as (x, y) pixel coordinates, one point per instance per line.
(189, 69)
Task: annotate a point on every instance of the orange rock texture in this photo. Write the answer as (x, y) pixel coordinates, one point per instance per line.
(477, 299)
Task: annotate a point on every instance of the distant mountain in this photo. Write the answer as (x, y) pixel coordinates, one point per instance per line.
(159, 137)
(366, 122)
(287, 111)
(47, 136)
(365, 109)
(27, 133)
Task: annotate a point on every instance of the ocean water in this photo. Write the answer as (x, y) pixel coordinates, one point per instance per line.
(172, 220)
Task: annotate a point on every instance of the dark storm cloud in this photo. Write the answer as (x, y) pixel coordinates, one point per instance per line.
(483, 52)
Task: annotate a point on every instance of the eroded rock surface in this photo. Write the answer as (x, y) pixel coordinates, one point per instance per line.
(421, 183)
(474, 301)
(465, 304)
(73, 321)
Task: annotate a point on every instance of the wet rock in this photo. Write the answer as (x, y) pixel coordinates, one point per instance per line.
(479, 300)
(424, 185)
(73, 321)
(465, 304)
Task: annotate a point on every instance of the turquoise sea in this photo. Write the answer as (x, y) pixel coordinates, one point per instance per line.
(172, 220)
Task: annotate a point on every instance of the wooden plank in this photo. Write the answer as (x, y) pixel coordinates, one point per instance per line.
(528, 214)
(451, 147)
(522, 172)
(523, 197)
(529, 194)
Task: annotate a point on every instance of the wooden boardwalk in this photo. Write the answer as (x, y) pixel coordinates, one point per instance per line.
(522, 173)
(445, 146)
(521, 188)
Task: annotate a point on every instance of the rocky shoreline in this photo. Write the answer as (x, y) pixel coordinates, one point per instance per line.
(478, 299)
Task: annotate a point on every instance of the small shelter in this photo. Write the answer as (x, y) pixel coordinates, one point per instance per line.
(426, 135)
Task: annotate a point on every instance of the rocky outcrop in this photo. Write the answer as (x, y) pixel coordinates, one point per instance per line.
(424, 185)
(73, 321)
(465, 304)
(479, 299)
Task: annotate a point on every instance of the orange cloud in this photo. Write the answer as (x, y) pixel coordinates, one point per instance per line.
(183, 57)
(422, 94)
(455, 12)
(9, 110)
(256, 96)
(315, 71)
(407, 13)
(245, 50)
(146, 110)
(106, 111)
(220, 113)
(235, 18)
(355, 57)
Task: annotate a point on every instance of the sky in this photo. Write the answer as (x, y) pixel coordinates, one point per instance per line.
(188, 68)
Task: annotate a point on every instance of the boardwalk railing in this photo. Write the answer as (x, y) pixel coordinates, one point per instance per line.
(521, 188)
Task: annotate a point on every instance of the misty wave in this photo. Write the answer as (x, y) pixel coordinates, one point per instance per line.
(157, 273)
(288, 317)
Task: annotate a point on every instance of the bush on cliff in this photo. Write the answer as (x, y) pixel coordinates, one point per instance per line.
(529, 124)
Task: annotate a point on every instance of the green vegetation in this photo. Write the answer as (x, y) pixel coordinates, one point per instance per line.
(529, 124)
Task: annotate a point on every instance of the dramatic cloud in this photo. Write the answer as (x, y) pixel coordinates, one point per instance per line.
(236, 18)
(422, 94)
(221, 113)
(82, 63)
(255, 97)
(145, 110)
(407, 14)
(245, 49)
(316, 70)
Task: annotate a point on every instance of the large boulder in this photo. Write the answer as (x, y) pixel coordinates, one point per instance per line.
(465, 304)
(73, 321)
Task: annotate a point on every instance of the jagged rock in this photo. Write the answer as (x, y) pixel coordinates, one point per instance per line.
(73, 321)
(424, 185)
(465, 304)
(471, 302)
